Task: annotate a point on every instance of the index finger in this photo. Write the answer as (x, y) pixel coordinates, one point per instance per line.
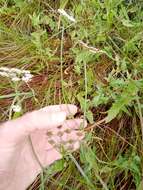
(69, 109)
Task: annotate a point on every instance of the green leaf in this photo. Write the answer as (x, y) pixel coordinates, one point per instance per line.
(100, 99)
(127, 23)
(106, 169)
(35, 19)
(89, 116)
(56, 167)
(125, 98)
(19, 3)
(132, 164)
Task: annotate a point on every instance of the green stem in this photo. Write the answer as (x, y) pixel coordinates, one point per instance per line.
(39, 162)
(85, 100)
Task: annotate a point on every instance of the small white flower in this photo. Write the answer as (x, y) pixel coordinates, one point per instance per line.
(64, 13)
(4, 74)
(27, 77)
(15, 70)
(16, 108)
(4, 69)
(26, 71)
(16, 74)
(90, 48)
(15, 79)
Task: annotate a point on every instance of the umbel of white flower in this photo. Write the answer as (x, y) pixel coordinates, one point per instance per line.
(16, 108)
(65, 14)
(16, 74)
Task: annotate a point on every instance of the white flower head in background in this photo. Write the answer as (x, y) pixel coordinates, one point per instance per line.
(64, 13)
(15, 79)
(27, 77)
(16, 74)
(16, 108)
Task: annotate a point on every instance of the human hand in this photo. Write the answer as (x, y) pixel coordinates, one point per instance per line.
(18, 164)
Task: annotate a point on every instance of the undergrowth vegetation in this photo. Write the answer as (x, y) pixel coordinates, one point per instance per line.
(95, 62)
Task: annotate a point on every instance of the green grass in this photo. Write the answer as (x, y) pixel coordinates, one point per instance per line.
(106, 83)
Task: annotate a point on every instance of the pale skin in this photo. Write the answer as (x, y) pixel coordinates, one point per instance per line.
(18, 164)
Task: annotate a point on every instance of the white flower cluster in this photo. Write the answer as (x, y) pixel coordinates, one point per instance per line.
(64, 13)
(16, 108)
(16, 74)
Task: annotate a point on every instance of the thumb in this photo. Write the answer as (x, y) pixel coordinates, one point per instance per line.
(36, 120)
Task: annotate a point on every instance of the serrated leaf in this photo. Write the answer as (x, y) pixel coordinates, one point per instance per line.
(128, 94)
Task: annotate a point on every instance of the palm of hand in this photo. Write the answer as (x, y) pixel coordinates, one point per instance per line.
(19, 161)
